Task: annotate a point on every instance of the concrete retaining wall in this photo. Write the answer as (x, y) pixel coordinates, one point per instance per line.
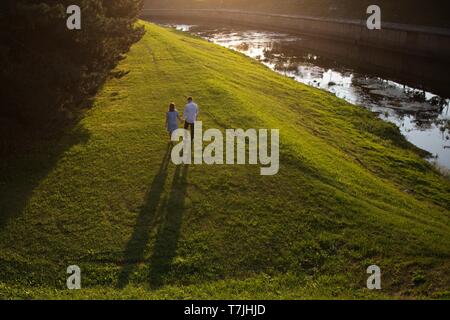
(422, 41)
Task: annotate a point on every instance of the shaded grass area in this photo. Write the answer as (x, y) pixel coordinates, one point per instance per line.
(351, 192)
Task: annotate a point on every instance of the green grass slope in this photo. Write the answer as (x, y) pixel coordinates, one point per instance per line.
(350, 192)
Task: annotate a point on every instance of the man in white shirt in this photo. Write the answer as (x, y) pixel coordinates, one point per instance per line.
(190, 114)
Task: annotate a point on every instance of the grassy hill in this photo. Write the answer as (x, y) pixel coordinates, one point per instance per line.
(351, 192)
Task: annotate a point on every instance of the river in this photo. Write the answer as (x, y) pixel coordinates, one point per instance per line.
(410, 92)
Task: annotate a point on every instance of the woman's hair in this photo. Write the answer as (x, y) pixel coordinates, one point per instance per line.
(172, 107)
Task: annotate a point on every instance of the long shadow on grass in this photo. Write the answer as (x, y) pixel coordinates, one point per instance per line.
(135, 249)
(166, 242)
(22, 172)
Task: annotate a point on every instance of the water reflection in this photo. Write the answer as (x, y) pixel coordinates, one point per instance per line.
(384, 82)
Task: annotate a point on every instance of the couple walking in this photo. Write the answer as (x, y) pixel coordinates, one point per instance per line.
(190, 114)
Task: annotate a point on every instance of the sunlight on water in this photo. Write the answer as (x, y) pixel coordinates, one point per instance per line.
(423, 118)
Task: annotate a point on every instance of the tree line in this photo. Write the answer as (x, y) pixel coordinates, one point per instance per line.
(50, 72)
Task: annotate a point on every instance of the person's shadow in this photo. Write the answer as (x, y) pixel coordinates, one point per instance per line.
(171, 212)
(135, 248)
(165, 246)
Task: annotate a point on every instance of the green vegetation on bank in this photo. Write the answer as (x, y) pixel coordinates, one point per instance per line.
(351, 192)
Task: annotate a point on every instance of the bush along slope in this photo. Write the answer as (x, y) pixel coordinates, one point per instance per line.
(49, 72)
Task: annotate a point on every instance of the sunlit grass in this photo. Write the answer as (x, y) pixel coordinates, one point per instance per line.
(351, 192)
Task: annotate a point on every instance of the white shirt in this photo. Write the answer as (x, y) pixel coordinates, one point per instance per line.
(190, 112)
